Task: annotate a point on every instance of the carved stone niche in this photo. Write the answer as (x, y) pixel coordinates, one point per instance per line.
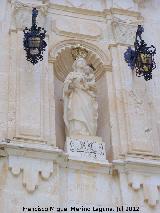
(22, 13)
(61, 55)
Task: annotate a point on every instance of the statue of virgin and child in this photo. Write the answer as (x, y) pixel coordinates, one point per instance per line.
(80, 105)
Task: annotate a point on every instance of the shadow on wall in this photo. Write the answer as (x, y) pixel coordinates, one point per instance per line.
(60, 127)
(103, 125)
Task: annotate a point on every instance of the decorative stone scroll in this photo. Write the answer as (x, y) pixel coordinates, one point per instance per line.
(85, 147)
(149, 184)
(31, 169)
(142, 176)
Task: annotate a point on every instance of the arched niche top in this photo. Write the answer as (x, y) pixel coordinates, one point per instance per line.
(61, 55)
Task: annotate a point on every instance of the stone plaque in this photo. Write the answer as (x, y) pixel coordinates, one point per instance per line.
(91, 148)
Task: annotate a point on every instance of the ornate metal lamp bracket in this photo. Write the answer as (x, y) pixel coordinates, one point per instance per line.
(142, 58)
(34, 43)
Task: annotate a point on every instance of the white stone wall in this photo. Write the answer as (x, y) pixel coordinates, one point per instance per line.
(34, 168)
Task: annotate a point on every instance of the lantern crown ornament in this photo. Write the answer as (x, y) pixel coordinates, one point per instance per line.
(79, 51)
(34, 43)
(142, 58)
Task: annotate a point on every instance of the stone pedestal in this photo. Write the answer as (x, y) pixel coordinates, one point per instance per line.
(86, 148)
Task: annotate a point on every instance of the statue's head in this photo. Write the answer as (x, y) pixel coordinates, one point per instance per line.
(79, 63)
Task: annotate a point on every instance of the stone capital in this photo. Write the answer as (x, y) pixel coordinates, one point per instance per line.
(22, 13)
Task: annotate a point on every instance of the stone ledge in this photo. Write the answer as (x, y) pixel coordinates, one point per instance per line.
(103, 167)
(137, 164)
(46, 152)
(41, 151)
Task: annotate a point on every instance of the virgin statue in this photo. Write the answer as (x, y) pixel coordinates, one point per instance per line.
(80, 105)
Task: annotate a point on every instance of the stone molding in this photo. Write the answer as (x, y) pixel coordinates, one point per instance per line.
(83, 29)
(78, 10)
(106, 9)
(142, 174)
(38, 163)
(149, 184)
(34, 162)
(32, 170)
(141, 2)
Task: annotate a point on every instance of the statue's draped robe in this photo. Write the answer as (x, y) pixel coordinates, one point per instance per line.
(80, 107)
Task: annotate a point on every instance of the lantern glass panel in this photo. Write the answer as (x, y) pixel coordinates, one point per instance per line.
(34, 51)
(145, 60)
(34, 42)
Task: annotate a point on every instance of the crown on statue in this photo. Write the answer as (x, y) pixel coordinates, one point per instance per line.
(79, 52)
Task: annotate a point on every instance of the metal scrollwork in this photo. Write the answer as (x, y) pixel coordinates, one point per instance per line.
(34, 43)
(142, 58)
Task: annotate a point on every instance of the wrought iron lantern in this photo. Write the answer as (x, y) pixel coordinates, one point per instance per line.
(34, 43)
(142, 58)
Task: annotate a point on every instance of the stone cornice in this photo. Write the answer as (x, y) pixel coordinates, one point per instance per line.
(141, 174)
(40, 151)
(79, 10)
(46, 152)
(43, 7)
(38, 162)
(138, 165)
(124, 12)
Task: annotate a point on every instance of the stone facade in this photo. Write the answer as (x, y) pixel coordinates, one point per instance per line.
(36, 170)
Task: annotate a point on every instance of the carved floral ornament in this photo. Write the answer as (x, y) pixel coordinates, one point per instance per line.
(22, 13)
(18, 4)
(124, 33)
